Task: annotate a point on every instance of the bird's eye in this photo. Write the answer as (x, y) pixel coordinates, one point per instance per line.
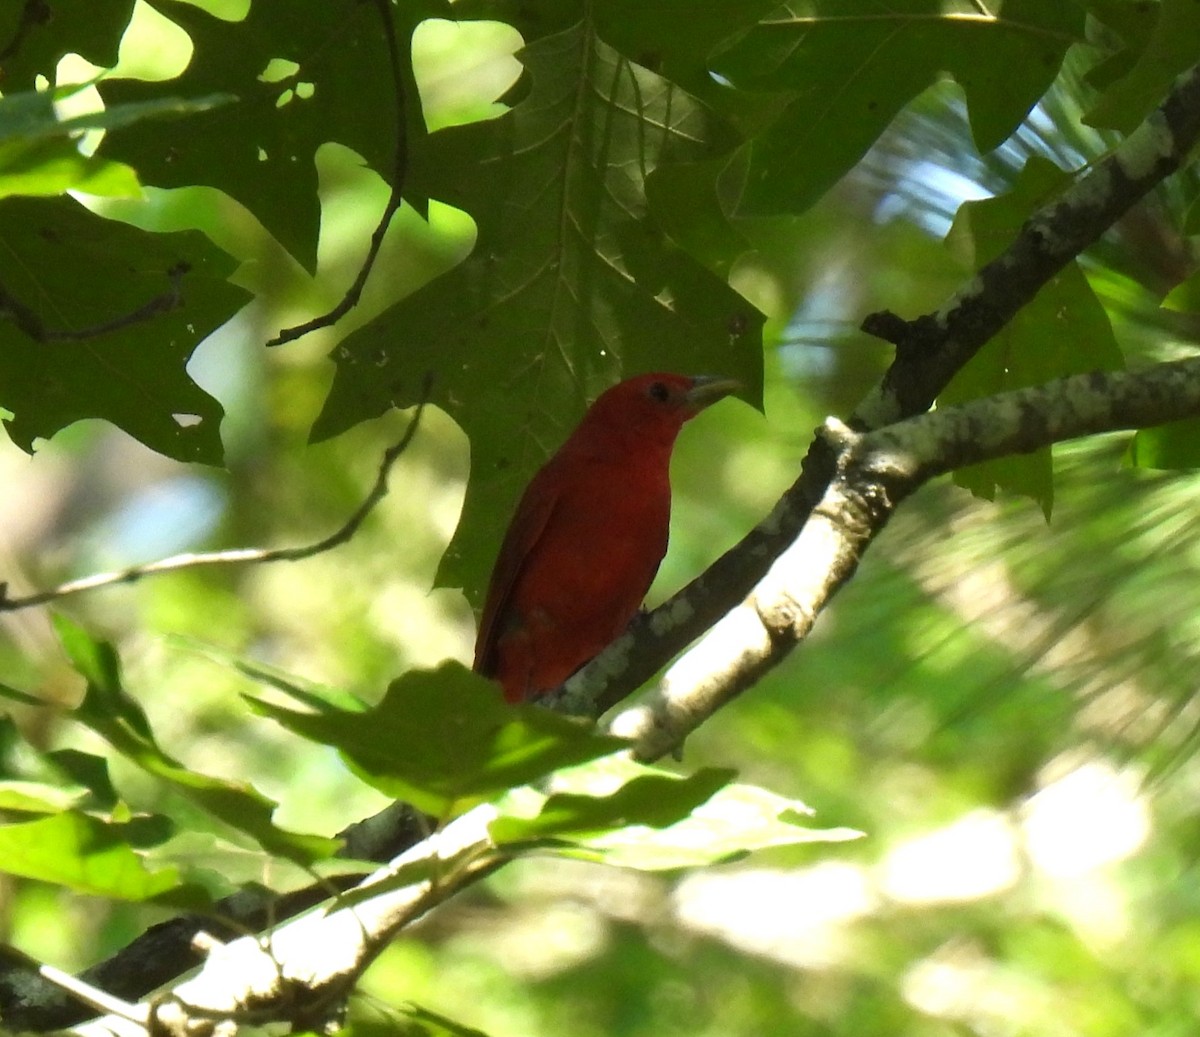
(659, 391)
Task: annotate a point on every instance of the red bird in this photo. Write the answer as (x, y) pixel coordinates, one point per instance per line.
(587, 536)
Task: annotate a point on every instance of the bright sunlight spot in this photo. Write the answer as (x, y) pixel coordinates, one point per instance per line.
(973, 857)
(799, 917)
(1092, 816)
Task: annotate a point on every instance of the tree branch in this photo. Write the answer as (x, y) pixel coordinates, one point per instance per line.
(931, 349)
(192, 560)
(944, 341)
(874, 472)
(303, 971)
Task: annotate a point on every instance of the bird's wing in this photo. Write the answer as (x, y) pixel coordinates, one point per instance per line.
(528, 524)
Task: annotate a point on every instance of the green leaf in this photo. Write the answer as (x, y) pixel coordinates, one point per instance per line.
(31, 115)
(847, 67)
(1174, 445)
(1064, 330)
(675, 38)
(318, 697)
(1133, 24)
(89, 771)
(433, 1024)
(39, 154)
(90, 28)
(44, 168)
(261, 150)
(444, 740)
(223, 867)
(1191, 222)
(571, 284)
(1172, 47)
(703, 819)
(652, 799)
(406, 1020)
(1185, 296)
(88, 855)
(35, 797)
(77, 346)
(686, 200)
(113, 714)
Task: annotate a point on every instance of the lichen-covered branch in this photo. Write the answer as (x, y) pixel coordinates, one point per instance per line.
(874, 472)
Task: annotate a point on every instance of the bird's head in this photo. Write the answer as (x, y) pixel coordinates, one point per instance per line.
(651, 408)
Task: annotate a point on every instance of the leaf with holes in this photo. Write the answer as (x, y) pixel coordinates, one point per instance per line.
(321, 73)
(76, 346)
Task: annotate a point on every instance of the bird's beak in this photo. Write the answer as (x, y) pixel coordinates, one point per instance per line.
(706, 390)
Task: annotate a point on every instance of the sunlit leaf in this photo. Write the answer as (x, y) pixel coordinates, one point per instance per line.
(33, 797)
(700, 820)
(89, 856)
(114, 715)
(1174, 445)
(115, 347)
(648, 799)
(317, 697)
(408, 1020)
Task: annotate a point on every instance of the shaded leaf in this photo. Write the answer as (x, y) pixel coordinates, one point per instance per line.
(1133, 23)
(261, 150)
(1172, 46)
(89, 771)
(128, 335)
(571, 284)
(31, 44)
(1063, 330)
(443, 739)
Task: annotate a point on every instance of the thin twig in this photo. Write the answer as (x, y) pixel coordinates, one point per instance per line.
(395, 197)
(192, 559)
(30, 323)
